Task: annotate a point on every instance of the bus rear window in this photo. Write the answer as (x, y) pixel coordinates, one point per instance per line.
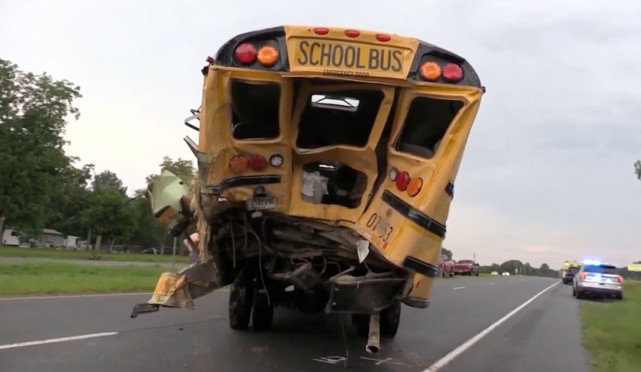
(338, 118)
(255, 110)
(425, 125)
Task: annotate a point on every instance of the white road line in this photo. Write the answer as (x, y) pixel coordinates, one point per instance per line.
(458, 287)
(86, 296)
(467, 344)
(54, 340)
(73, 296)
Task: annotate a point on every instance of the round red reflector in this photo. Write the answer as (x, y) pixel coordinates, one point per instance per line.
(452, 72)
(321, 30)
(352, 33)
(402, 180)
(257, 162)
(383, 37)
(245, 53)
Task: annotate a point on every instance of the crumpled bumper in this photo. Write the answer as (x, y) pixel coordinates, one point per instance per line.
(178, 290)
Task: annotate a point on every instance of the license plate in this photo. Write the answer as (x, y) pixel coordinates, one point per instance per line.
(331, 57)
(261, 203)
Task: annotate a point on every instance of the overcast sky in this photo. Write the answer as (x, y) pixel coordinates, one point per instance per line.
(548, 171)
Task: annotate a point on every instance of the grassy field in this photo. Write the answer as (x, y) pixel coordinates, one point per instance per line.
(612, 331)
(42, 278)
(86, 255)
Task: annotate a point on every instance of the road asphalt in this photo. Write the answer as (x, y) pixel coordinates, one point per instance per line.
(543, 335)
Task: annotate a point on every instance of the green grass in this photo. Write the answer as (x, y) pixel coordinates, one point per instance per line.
(87, 255)
(43, 278)
(612, 331)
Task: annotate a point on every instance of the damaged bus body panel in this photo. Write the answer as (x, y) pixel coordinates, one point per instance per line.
(326, 169)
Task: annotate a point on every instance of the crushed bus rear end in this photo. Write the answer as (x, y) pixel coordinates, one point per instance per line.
(326, 167)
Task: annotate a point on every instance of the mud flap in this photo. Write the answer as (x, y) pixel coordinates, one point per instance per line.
(178, 290)
(368, 294)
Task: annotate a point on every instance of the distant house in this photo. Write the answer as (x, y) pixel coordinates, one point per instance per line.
(53, 238)
(49, 238)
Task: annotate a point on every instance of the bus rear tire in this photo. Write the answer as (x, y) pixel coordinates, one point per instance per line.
(241, 295)
(263, 311)
(390, 320)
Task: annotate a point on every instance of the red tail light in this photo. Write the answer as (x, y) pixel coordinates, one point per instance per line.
(321, 30)
(452, 72)
(257, 162)
(383, 37)
(245, 53)
(352, 33)
(620, 279)
(582, 276)
(402, 180)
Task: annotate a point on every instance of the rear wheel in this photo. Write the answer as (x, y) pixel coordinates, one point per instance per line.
(263, 312)
(579, 295)
(390, 319)
(619, 296)
(241, 295)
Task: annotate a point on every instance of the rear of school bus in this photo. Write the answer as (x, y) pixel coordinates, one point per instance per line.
(341, 143)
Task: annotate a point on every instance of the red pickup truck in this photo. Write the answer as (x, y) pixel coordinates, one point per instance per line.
(447, 267)
(466, 267)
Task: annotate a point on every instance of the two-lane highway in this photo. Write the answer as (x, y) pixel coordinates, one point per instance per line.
(543, 334)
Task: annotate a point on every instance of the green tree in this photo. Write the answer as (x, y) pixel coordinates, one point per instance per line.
(108, 180)
(74, 200)
(182, 168)
(109, 214)
(511, 266)
(447, 252)
(148, 232)
(33, 117)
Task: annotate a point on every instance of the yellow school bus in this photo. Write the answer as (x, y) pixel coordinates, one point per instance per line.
(327, 159)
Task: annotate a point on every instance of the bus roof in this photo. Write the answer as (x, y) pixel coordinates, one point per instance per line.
(345, 52)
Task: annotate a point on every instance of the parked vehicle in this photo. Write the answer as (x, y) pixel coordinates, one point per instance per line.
(446, 267)
(599, 280)
(11, 238)
(466, 267)
(568, 277)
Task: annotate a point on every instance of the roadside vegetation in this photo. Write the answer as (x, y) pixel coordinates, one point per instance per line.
(612, 331)
(58, 278)
(44, 187)
(87, 255)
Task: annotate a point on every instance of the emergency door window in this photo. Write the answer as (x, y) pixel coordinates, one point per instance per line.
(255, 110)
(425, 125)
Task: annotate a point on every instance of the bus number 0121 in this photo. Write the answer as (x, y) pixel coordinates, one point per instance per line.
(386, 229)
